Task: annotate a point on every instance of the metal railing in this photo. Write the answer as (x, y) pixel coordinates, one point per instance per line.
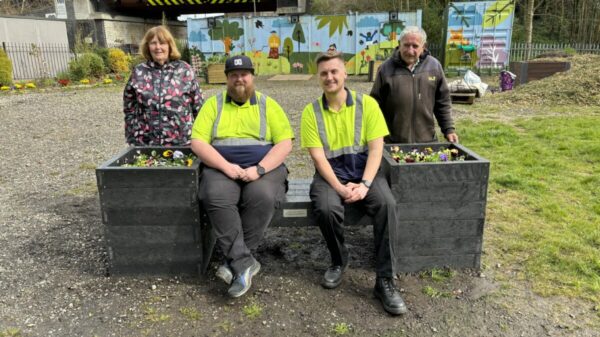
(520, 51)
(34, 61)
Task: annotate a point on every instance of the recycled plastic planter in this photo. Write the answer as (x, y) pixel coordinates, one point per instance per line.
(441, 209)
(151, 215)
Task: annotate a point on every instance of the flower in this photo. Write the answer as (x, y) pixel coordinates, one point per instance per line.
(84, 81)
(30, 85)
(4, 88)
(178, 154)
(425, 155)
(107, 81)
(18, 86)
(64, 82)
(167, 158)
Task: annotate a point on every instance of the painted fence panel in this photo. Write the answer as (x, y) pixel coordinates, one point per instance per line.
(284, 45)
(479, 34)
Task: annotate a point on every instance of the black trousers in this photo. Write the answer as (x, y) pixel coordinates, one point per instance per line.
(240, 212)
(379, 204)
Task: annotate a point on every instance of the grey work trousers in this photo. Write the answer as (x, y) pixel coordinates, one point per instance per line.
(379, 204)
(240, 212)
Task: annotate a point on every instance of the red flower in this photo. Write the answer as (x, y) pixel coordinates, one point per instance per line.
(368, 58)
(362, 53)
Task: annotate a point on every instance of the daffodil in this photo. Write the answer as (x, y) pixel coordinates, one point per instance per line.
(84, 81)
(30, 85)
(189, 162)
(168, 154)
(18, 86)
(4, 88)
(107, 81)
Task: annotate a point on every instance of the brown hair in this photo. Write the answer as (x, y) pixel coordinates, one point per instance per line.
(163, 35)
(329, 55)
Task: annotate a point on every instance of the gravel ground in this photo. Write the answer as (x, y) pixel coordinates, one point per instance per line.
(53, 261)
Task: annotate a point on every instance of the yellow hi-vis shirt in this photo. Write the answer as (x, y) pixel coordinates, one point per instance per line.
(345, 133)
(238, 132)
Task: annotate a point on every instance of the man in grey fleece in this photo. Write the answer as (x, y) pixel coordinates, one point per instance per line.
(411, 90)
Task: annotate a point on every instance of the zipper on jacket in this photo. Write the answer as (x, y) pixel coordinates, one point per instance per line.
(414, 112)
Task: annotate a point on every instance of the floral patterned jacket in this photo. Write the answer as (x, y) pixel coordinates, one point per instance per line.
(160, 104)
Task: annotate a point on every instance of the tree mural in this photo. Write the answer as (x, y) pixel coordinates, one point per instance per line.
(298, 34)
(227, 32)
(392, 29)
(288, 47)
(335, 22)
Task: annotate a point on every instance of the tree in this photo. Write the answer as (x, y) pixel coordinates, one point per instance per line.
(298, 34)
(288, 47)
(227, 32)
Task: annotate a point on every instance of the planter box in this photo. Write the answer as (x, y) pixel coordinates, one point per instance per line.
(216, 73)
(441, 209)
(530, 71)
(151, 215)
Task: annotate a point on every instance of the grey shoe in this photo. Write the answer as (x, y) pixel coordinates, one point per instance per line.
(224, 273)
(242, 282)
(386, 292)
(333, 277)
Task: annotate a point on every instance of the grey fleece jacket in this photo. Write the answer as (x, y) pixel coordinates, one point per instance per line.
(411, 100)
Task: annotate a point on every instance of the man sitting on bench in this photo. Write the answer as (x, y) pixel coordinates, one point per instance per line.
(344, 132)
(242, 137)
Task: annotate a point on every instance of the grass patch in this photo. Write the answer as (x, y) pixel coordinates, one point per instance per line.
(340, 329)
(190, 313)
(434, 293)
(252, 310)
(11, 332)
(85, 189)
(544, 199)
(152, 315)
(438, 274)
(87, 166)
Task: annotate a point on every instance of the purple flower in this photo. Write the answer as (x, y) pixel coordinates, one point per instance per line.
(443, 157)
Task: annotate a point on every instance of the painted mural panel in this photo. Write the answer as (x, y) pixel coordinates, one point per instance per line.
(279, 46)
(479, 34)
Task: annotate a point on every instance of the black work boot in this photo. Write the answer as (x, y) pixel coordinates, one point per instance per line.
(389, 296)
(333, 277)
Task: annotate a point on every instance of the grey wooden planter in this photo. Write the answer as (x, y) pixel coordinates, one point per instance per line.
(151, 215)
(441, 209)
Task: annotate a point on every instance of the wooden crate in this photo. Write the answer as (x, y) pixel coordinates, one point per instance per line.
(151, 215)
(530, 71)
(216, 73)
(441, 210)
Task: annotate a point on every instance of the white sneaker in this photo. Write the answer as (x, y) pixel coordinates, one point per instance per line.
(224, 273)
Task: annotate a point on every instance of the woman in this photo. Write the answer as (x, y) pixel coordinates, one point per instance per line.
(162, 96)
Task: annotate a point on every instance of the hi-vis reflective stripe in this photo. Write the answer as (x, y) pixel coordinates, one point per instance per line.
(354, 149)
(262, 135)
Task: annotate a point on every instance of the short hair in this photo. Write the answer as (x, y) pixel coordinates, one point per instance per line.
(163, 35)
(413, 30)
(329, 55)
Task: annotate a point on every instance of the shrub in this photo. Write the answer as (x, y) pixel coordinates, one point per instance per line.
(6, 75)
(137, 59)
(118, 61)
(103, 52)
(86, 65)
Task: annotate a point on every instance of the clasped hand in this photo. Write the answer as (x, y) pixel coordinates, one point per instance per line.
(236, 172)
(353, 192)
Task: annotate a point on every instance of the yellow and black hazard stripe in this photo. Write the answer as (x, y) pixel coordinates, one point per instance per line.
(193, 2)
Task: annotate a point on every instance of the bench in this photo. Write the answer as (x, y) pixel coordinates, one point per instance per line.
(462, 98)
(294, 211)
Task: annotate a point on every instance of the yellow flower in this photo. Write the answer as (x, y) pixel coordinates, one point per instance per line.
(168, 154)
(30, 85)
(4, 88)
(107, 81)
(18, 86)
(85, 81)
(189, 162)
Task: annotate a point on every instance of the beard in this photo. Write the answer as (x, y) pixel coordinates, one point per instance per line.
(240, 93)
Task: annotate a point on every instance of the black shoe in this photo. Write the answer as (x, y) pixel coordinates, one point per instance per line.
(333, 277)
(389, 296)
